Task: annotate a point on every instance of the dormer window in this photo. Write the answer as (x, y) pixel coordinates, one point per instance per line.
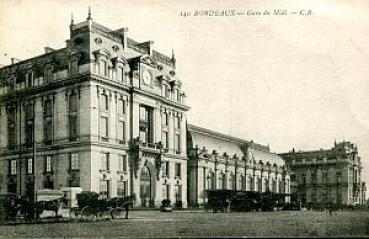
(48, 74)
(102, 62)
(73, 66)
(178, 95)
(104, 68)
(29, 78)
(74, 57)
(120, 66)
(12, 83)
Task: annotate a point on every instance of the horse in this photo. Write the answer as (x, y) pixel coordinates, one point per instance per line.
(121, 202)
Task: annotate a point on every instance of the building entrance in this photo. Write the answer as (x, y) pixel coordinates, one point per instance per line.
(145, 187)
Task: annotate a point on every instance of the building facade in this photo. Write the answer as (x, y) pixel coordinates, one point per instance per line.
(108, 114)
(105, 113)
(217, 162)
(327, 176)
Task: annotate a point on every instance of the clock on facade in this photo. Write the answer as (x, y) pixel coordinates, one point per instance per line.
(147, 77)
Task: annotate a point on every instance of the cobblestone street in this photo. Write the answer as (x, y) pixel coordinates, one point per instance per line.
(155, 224)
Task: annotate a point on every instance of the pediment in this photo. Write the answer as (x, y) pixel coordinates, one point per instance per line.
(148, 60)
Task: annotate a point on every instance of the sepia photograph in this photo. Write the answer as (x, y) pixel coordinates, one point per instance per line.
(184, 119)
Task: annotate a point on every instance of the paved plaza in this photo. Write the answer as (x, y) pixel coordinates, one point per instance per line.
(155, 224)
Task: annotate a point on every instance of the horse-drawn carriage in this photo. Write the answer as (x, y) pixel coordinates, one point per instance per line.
(91, 206)
(19, 209)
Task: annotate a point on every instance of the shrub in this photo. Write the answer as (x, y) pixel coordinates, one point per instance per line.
(165, 203)
(194, 205)
(178, 204)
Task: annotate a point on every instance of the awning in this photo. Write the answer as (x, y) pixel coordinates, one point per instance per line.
(49, 195)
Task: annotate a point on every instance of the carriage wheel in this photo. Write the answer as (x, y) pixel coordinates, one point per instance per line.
(115, 212)
(86, 212)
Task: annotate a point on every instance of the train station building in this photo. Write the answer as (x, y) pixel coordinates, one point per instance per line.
(108, 114)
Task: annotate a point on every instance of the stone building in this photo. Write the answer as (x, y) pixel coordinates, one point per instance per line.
(218, 161)
(332, 175)
(105, 113)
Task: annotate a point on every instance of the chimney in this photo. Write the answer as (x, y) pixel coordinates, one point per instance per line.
(148, 45)
(123, 33)
(15, 60)
(48, 49)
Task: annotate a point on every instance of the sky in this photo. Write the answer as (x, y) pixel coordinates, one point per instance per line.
(290, 81)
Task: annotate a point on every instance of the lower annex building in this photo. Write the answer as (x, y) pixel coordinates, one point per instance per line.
(327, 175)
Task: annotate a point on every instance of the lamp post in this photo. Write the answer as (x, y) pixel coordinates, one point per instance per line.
(34, 161)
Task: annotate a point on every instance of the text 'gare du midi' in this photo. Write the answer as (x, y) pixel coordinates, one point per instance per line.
(108, 114)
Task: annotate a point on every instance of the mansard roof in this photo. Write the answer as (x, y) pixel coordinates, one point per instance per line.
(341, 150)
(210, 140)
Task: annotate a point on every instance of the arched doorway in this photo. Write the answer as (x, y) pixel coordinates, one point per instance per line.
(145, 186)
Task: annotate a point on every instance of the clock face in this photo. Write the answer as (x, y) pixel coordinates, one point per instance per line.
(146, 76)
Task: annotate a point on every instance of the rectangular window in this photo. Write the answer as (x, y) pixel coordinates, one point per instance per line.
(48, 164)
(74, 161)
(121, 75)
(13, 167)
(177, 122)
(164, 90)
(48, 74)
(104, 68)
(104, 127)
(105, 165)
(178, 96)
(125, 163)
(122, 164)
(122, 188)
(12, 128)
(29, 125)
(166, 170)
(165, 119)
(73, 128)
(165, 140)
(29, 79)
(30, 166)
(48, 182)
(178, 170)
(104, 102)
(143, 134)
(178, 143)
(48, 124)
(146, 124)
(104, 189)
(121, 107)
(143, 114)
(121, 132)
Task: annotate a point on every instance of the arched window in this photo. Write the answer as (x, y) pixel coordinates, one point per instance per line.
(259, 184)
(249, 183)
(242, 183)
(281, 186)
(221, 180)
(48, 122)
(211, 181)
(274, 185)
(266, 184)
(231, 181)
